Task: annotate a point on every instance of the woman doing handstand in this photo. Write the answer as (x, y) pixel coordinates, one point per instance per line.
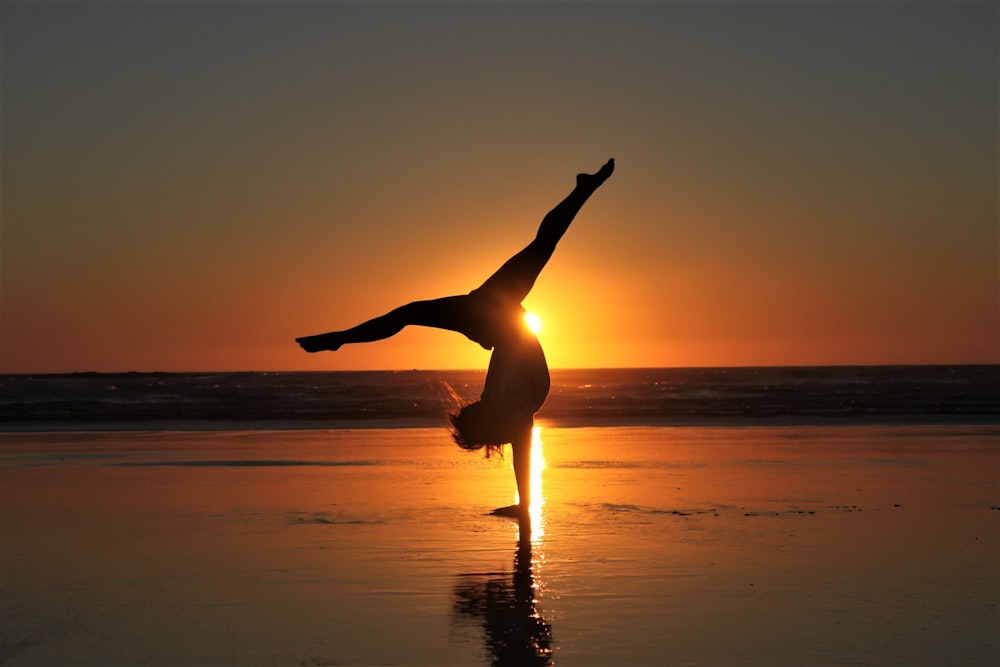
(517, 381)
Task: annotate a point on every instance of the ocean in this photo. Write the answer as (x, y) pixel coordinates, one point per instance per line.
(862, 395)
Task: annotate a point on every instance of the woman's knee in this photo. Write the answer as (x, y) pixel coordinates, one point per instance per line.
(440, 313)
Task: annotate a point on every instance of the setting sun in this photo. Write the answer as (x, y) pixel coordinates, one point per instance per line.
(533, 322)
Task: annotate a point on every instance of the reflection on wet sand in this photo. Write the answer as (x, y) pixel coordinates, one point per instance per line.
(776, 546)
(514, 631)
(505, 603)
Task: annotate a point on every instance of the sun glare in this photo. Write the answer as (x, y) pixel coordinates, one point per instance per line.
(533, 322)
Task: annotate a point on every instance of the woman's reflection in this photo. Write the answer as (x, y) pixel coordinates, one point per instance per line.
(514, 631)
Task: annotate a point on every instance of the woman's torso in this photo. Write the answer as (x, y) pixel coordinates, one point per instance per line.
(518, 376)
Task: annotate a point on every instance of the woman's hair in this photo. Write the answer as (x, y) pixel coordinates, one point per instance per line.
(474, 427)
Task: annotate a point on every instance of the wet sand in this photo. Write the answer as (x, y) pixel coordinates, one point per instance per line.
(654, 546)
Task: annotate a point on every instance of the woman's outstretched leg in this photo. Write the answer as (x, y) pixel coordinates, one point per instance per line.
(517, 276)
(467, 314)
(374, 329)
(451, 313)
(557, 221)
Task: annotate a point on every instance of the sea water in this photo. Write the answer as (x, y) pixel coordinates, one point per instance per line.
(609, 397)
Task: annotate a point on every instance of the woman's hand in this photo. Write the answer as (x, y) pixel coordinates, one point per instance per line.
(512, 511)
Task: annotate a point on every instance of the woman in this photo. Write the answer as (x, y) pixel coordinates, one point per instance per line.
(517, 381)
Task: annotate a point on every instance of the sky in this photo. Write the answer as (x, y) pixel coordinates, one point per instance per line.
(189, 186)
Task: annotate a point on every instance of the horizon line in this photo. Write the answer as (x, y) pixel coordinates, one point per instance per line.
(480, 370)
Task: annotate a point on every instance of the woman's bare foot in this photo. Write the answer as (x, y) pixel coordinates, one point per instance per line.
(321, 343)
(593, 181)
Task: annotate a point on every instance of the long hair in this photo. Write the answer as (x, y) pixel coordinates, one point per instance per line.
(474, 427)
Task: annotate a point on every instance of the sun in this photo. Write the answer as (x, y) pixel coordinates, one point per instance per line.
(533, 322)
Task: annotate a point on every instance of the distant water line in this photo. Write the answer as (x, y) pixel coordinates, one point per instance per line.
(868, 395)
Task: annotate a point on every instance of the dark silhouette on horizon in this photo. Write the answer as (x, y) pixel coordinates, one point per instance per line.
(515, 633)
(517, 381)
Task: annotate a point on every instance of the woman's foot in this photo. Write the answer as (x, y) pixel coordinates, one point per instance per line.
(327, 342)
(593, 181)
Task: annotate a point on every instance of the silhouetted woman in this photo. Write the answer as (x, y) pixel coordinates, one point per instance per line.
(517, 381)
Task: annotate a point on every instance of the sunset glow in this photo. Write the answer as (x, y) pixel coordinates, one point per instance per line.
(206, 182)
(533, 322)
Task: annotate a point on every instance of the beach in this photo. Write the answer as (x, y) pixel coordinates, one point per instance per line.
(852, 545)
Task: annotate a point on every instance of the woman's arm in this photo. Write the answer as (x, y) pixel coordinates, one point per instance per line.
(521, 450)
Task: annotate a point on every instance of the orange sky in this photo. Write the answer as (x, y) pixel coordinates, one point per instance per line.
(192, 186)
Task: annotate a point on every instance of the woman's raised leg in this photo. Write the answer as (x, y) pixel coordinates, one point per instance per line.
(465, 314)
(450, 313)
(517, 276)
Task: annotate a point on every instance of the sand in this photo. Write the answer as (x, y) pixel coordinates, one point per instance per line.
(654, 546)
